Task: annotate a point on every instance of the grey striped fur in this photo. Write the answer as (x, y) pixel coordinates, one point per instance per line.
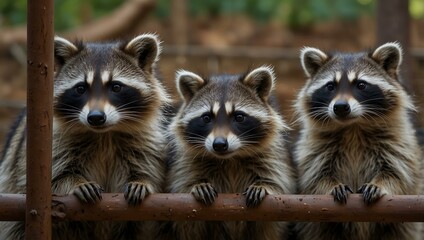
(373, 150)
(123, 154)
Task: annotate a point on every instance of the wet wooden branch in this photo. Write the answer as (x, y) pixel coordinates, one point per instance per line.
(177, 207)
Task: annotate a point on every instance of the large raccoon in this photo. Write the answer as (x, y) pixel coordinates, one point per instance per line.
(108, 132)
(356, 136)
(227, 138)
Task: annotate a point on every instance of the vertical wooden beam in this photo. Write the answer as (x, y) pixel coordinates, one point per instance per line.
(393, 22)
(179, 16)
(39, 120)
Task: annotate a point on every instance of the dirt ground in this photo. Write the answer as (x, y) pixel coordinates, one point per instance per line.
(225, 32)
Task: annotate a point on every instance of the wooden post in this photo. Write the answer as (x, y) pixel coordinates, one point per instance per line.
(39, 119)
(179, 29)
(393, 25)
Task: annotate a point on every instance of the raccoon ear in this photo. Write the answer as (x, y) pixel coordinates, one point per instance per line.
(261, 80)
(188, 84)
(389, 57)
(63, 50)
(312, 60)
(146, 48)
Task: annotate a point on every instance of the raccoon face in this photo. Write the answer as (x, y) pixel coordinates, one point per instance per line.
(226, 115)
(347, 88)
(106, 86)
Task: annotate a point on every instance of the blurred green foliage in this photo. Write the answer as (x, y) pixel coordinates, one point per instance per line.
(295, 13)
(416, 8)
(305, 12)
(68, 13)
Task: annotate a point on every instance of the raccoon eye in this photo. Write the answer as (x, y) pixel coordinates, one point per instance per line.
(330, 87)
(206, 118)
(239, 118)
(361, 85)
(116, 88)
(80, 89)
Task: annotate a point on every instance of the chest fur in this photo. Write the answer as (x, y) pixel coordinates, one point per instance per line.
(100, 159)
(351, 157)
(232, 176)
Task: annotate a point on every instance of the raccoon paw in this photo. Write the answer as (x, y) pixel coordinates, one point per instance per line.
(254, 195)
(340, 193)
(371, 192)
(89, 192)
(204, 192)
(135, 192)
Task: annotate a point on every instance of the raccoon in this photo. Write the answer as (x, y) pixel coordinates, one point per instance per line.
(227, 138)
(108, 133)
(356, 136)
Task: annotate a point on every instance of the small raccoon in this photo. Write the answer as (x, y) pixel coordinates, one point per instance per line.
(108, 132)
(227, 138)
(357, 136)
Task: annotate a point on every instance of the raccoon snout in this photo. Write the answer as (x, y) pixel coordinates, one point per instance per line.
(96, 118)
(220, 144)
(341, 108)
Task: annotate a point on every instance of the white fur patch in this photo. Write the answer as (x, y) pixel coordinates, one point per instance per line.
(314, 53)
(319, 83)
(382, 50)
(209, 142)
(62, 86)
(351, 75)
(83, 115)
(233, 142)
(260, 71)
(376, 80)
(338, 76)
(188, 78)
(135, 83)
(181, 73)
(215, 108)
(134, 43)
(356, 109)
(112, 116)
(90, 77)
(68, 48)
(195, 114)
(105, 77)
(254, 112)
(228, 108)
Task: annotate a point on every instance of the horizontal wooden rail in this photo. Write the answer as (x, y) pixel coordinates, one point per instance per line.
(177, 207)
(255, 52)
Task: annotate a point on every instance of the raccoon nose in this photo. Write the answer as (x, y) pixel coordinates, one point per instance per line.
(341, 108)
(220, 144)
(96, 118)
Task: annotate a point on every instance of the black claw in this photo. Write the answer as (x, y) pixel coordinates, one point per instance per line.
(89, 193)
(93, 191)
(127, 191)
(134, 193)
(200, 195)
(205, 193)
(80, 195)
(341, 193)
(204, 189)
(370, 192)
(254, 195)
(348, 189)
(98, 192)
